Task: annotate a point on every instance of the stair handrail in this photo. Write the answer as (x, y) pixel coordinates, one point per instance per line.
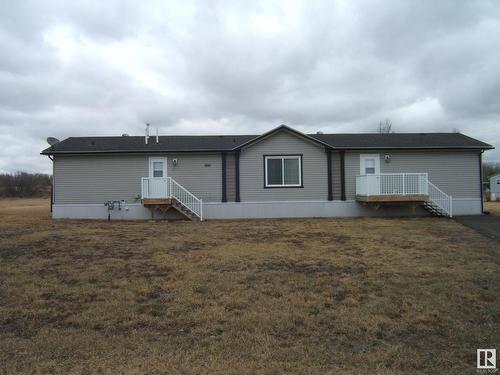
(186, 198)
(440, 199)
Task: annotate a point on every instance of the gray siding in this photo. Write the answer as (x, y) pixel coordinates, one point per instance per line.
(313, 162)
(96, 179)
(454, 172)
(336, 184)
(191, 172)
(351, 171)
(230, 178)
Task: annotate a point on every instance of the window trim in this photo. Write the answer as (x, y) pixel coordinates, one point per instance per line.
(284, 156)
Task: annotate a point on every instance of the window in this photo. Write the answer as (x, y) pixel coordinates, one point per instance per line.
(369, 164)
(283, 171)
(498, 182)
(157, 169)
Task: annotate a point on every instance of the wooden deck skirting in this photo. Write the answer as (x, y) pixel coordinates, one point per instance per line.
(156, 201)
(392, 198)
(163, 205)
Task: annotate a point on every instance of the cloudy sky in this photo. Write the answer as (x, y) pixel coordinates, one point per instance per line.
(71, 68)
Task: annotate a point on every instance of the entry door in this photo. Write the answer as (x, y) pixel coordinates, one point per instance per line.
(158, 187)
(369, 165)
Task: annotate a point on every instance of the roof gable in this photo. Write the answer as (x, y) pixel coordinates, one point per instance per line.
(282, 128)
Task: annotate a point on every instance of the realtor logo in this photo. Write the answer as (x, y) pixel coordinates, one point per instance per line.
(486, 359)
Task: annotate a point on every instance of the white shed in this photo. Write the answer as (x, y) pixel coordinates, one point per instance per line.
(495, 186)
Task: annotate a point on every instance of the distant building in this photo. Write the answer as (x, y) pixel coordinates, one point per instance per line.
(495, 187)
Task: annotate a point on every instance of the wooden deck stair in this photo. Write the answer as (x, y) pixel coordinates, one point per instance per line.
(164, 193)
(165, 204)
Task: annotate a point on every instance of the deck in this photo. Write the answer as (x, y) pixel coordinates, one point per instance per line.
(392, 187)
(393, 198)
(156, 201)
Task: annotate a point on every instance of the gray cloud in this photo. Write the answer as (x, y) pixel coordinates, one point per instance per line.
(72, 69)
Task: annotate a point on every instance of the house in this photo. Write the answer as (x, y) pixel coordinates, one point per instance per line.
(281, 173)
(495, 187)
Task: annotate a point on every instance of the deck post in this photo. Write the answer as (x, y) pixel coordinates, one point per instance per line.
(451, 206)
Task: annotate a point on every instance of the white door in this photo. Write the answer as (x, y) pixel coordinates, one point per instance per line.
(158, 183)
(369, 165)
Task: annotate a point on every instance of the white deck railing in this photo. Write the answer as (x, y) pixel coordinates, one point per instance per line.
(404, 184)
(392, 184)
(167, 187)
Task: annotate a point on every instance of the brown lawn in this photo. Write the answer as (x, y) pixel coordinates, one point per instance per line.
(492, 207)
(319, 296)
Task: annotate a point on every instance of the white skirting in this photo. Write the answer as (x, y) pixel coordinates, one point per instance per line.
(130, 211)
(259, 210)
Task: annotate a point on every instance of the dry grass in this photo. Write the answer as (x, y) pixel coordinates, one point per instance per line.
(492, 207)
(243, 297)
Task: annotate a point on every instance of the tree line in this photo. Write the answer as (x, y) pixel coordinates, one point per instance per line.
(23, 185)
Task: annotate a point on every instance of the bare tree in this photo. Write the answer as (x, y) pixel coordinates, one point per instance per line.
(385, 127)
(22, 184)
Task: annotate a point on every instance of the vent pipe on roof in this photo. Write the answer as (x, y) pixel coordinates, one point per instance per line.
(157, 141)
(146, 137)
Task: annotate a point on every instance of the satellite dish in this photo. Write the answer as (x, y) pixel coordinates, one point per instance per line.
(52, 141)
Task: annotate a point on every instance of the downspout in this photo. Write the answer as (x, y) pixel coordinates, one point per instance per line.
(52, 182)
(481, 179)
(224, 187)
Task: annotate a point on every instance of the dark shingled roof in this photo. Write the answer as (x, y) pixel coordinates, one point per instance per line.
(178, 143)
(131, 144)
(401, 141)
